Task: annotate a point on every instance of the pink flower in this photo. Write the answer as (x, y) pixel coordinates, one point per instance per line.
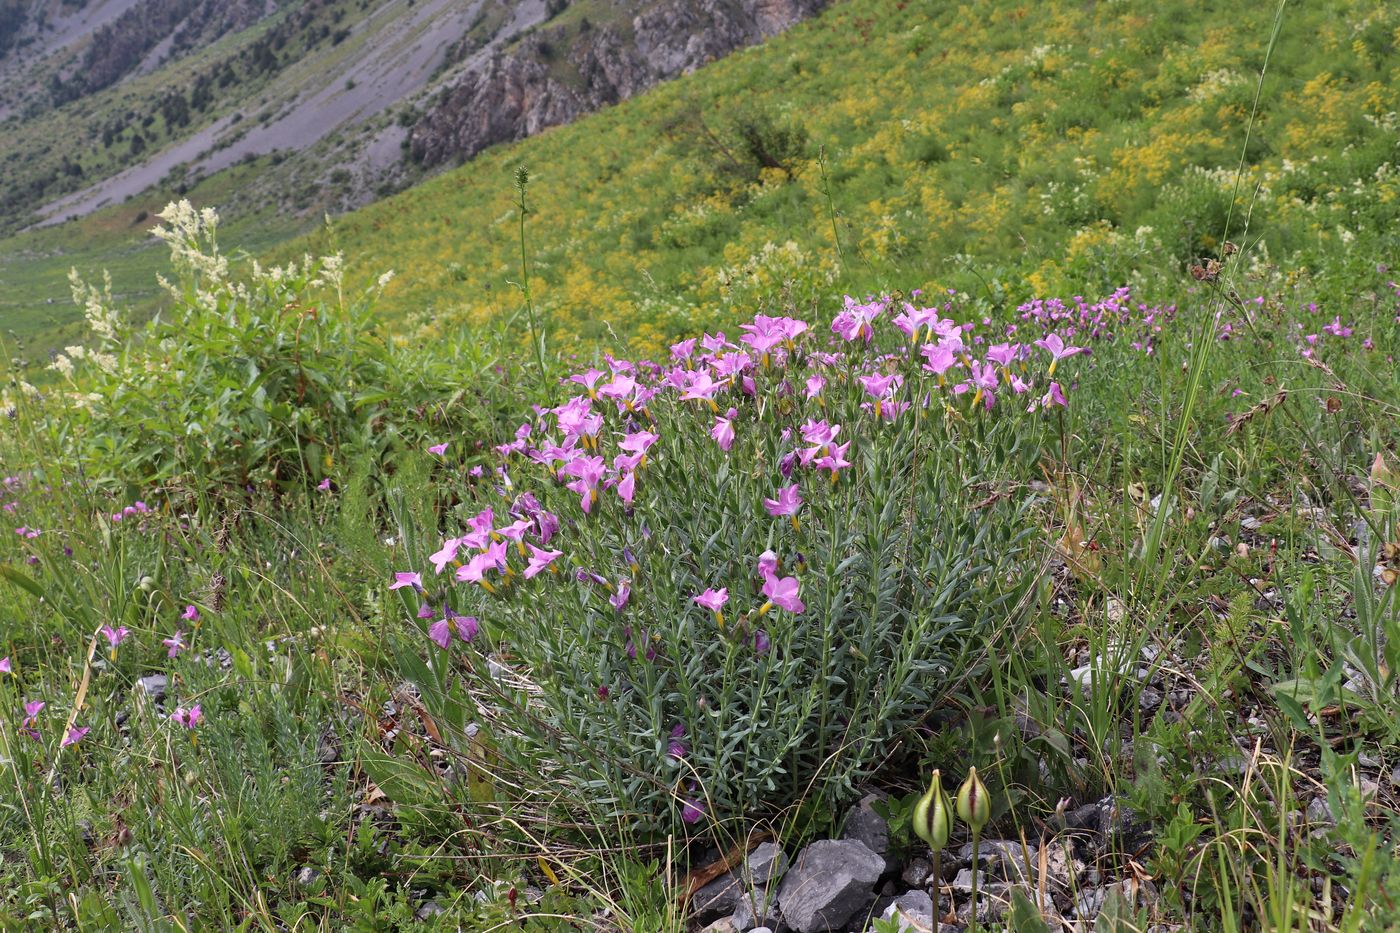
(75, 735)
(676, 748)
(1055, 396)
(31, 718)
(438, 449)
(176, 643)
(446, 554)
(781, 592)
(189, 718)
(1052, 344)
(627, 487)
(815, 384)
(835, 460)
(940, 357)
(879, 385)
(467, 627)
(1003, 353)
(788, 502)
(115, 636)
(191, 614)
(723, 431)
(692, 811)
(5, 666)
(406, 578)
(624, 592)
(767, 564)
(712, 599)
(856, 319)
(440, 632)
(324, 485)
(539, 560)
(701, 387)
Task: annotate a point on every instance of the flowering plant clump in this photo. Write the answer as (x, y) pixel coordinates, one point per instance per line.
(258, 380)
(728, 580)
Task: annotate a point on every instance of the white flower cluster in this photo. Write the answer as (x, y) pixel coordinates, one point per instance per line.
(102, 318)
(191, 238)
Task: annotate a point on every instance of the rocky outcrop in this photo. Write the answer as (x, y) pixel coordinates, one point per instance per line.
(556, 74)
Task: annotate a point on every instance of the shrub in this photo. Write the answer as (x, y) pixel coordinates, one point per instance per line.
(737, 580)
(258, 382)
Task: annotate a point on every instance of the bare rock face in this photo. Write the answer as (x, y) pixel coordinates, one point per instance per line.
(555, 75)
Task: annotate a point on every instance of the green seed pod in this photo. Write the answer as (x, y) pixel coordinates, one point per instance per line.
(933, 815)
(974, 807)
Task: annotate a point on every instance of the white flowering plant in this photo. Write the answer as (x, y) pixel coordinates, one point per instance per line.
(246, 382)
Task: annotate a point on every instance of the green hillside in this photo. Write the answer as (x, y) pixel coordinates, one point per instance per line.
(1048, 465)
(1016, 148)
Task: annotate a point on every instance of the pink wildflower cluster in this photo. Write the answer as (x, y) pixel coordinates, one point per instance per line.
(136, 508)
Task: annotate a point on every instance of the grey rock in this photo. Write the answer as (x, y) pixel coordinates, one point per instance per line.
(1110, 819)
(1090, 901)
(429, 910)
(759, 908)
(867, 826)
(993, 901)
(913, 912)
(153, 686)
(1149, 699)
(1395, 777)
(306, 876)
(725, 925)
(1000, 859)
(1062, 870)
(917, 872)
(828, 882)
(765, 863)
(1319, 812)
(717, 899)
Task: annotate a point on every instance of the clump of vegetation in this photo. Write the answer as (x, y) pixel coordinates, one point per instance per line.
(257, 382)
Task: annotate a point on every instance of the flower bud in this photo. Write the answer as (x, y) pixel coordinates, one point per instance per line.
(974, 806)
(933, 815)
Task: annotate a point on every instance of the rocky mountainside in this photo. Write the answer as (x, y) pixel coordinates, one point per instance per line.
(579, 65)
(343, 100)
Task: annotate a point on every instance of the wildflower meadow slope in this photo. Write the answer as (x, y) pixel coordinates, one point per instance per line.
(398, 635)
(1011, 151)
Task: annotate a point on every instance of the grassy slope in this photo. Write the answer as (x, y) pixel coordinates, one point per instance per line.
(988, 145)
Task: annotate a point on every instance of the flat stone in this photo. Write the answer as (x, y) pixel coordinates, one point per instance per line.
(913, 912)
(724, 925)
(828, 882)
(154, 686)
